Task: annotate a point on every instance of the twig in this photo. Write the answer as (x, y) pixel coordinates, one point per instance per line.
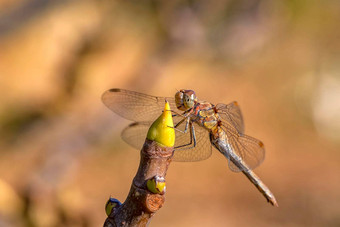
(141, 204)
(146, 194)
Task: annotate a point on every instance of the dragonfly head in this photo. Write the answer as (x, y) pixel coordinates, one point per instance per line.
(185, 99)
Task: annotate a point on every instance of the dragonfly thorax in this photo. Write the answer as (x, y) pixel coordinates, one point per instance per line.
(205, 115)
(185, 99)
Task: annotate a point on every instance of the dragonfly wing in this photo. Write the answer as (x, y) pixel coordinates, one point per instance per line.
(136, 106)
(135, 135)
(249, 149)
(231, 114)
(189, 153)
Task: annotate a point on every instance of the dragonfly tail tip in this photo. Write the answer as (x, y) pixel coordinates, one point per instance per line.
(273, 202)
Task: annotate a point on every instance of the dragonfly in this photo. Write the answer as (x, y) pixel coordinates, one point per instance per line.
(200, 125)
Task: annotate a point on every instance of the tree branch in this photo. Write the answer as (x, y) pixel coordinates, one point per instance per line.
(146, 194)
(141, 204)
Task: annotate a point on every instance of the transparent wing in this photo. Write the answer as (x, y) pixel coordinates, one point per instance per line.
(249, 149)
(136, 132)
(231, 114)
(201, 151)
(136, 106)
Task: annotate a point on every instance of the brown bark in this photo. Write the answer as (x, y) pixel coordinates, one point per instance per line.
(141, 204)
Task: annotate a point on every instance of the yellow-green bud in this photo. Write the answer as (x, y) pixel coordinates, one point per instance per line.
(162, 130)
(111, 204)
(156, 185)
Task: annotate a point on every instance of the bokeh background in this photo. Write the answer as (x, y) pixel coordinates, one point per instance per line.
(61, 155)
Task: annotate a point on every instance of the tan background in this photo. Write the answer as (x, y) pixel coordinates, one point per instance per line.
(61, 156)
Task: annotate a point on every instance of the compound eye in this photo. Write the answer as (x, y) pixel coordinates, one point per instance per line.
(180, 99)
(188, 101)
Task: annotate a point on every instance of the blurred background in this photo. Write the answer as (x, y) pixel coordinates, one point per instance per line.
(61, 155)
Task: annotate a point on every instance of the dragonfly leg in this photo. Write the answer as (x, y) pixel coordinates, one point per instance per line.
(185, 118)
(184, 114)
(192, 142)
(175, 114)
(186, 125)
(193, 134)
